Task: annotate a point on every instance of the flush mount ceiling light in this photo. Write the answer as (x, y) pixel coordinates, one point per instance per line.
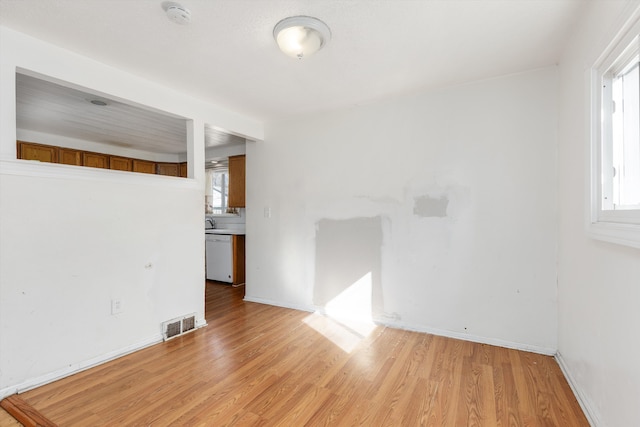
(177, 13)
(301, 36)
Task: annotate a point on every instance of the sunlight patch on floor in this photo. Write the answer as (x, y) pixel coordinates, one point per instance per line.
(346, 319)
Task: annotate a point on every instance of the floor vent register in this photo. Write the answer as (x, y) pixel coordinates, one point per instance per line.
(178, 326)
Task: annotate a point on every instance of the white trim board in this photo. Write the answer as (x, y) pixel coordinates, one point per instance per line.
(87, 364)
(582, 399)
(472, 338)
(33, 168)
(309, 309)
(417, 328)
(78, 367)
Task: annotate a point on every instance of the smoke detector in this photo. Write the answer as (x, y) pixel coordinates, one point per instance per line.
(177, 13)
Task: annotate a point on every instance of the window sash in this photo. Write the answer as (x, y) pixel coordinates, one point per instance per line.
(217, 196)
(619, 226)
(613, 164)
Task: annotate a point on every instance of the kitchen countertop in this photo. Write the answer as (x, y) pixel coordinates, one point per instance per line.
(224, 231)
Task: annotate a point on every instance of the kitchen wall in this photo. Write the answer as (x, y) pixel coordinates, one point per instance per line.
(598, 287)
(73, 239)
(229, 221)
(224, 152)
(438, 208)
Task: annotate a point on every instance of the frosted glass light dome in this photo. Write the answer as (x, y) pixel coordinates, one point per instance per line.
(301, 36)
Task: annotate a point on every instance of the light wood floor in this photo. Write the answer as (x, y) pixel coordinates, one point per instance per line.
(7, 420)
(260, 365)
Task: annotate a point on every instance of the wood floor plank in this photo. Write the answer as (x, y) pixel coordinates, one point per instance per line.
(476, 403)
(259, 365)
(420, 411)
(6, 420)
(301, 405)
(24, 413)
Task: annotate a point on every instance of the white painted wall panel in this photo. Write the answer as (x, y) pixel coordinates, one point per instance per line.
(72, 239)
(598, 286)
(462, 183)
(70, 246)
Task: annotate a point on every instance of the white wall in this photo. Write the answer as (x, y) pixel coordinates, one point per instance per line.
(447, 198)
(72, 239)
(217, 153)
(598, 286)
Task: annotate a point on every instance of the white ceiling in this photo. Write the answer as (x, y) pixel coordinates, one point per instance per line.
(47, 107)
(379, 48)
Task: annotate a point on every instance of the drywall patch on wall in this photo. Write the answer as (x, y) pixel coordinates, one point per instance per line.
(438, 273)
(382, 200)
(427, 206)
(348, 264)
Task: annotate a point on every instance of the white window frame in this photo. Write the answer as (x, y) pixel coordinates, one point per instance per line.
(615, 226)
(226, 210)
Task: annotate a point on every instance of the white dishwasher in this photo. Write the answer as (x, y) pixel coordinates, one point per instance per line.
(219, 257)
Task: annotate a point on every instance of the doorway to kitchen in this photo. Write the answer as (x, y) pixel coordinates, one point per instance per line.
(221, 299)
(225, 213)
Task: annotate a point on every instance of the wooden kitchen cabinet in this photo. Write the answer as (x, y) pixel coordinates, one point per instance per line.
(144, 166)
(169, 169)
(68, 156)
(237, 182)
(41, 153)
(120, 163)
(95, 160)
(238, 259)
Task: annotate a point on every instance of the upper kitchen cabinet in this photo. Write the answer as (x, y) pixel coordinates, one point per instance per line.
(120, 163)
(237, 181)
(95, 160)
(169, 169)
(144, 166)
(41, 153)
(68, 156)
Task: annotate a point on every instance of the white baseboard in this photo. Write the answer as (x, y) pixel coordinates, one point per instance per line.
(310, 309)
(77, 367)
(547, 351)
(584, 402)
(87, 364)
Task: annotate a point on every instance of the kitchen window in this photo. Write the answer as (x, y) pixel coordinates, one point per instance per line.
(217, 191)
(615, 169)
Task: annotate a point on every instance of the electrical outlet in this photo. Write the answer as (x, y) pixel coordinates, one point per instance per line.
(116, 306)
